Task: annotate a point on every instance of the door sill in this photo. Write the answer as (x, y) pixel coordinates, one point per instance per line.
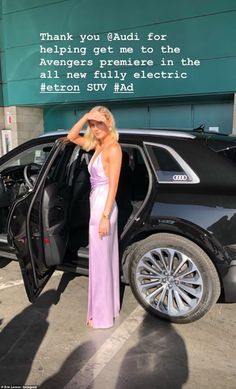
(73, 268)
(83, 252)
(4, 254)
(3, 238)
(77, 262)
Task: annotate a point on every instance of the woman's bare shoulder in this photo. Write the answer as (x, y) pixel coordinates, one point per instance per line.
(114, 148)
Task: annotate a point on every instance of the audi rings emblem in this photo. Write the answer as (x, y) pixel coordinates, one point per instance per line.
(180, 177)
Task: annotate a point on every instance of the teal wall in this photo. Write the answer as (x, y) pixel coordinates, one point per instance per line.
(181, 116)
(204, 30)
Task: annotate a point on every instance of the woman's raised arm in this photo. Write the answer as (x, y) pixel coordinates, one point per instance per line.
(74, 134)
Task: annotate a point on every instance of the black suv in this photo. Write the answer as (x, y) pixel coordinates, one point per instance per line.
(177, 216)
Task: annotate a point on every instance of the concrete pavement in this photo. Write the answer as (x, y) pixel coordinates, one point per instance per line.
(48, 344)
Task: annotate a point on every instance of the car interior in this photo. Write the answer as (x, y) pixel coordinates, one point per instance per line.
(17, 176)
(132, 190)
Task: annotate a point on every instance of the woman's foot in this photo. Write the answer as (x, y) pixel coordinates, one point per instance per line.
(90, 323)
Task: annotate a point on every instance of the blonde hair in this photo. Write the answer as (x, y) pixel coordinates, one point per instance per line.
(90, 140)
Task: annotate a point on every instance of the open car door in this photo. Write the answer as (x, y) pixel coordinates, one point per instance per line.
(37, 224)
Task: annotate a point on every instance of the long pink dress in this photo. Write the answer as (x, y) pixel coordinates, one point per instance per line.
(104, 284)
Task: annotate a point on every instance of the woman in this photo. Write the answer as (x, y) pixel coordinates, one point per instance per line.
(104, 168)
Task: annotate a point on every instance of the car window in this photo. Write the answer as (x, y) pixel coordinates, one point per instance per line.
(229, 153)
(169, 166)
(37, 154)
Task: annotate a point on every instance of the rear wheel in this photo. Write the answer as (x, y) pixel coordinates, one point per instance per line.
(173, 278)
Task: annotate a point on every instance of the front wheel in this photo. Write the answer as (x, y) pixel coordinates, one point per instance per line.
(173, 278)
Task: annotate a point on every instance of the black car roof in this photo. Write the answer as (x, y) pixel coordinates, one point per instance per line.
(137, 131)
(216, 141)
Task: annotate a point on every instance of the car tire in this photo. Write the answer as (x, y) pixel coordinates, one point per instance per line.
(173, 278)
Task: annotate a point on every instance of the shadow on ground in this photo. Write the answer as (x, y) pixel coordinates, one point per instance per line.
(20, 339)
(158, 360)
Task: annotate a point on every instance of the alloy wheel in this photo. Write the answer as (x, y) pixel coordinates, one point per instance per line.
(169, 281)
